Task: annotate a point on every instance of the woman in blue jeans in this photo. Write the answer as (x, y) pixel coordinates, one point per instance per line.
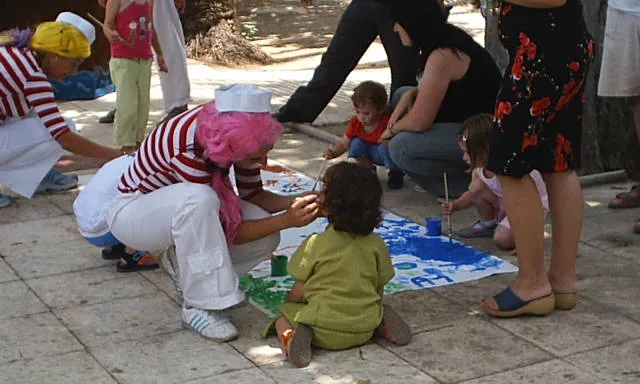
(460, 79)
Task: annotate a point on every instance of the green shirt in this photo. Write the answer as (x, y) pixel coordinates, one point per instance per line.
(343, 275)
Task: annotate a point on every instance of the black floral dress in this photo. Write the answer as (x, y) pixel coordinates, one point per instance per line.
(538, 116)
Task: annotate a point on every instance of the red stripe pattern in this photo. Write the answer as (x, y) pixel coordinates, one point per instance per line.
(25, 89)
(167, 157)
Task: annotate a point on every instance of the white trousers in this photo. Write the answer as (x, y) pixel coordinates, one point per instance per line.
(175, 83)
(27, 153)
(187, 215)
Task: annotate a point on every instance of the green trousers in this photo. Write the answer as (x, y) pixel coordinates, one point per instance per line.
(132, 78)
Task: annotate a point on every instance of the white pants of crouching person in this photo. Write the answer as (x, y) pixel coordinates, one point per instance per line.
(186, 215)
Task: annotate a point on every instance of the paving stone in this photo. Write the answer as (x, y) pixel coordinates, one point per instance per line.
(369, 362)
(554, 371)
(250, 322)
(29, 209)
(175, 357)
(562, 333)
(615, 363)
(161, 280)
(469, 349)
(6, 273)
(17, 300)
(618, 294)
(34, 336)
(245, 376)
(89, 287)
(76, 367)
(50, 258)
(17, 236)
(122, 320)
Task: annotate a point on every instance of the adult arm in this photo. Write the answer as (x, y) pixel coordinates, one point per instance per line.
(539, 3)
(271, 202)
(181, 5)
(302, 211)
(157, 48)
(443, 66)
(82, 146)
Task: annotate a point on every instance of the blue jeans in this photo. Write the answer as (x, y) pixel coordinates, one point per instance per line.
(377, 153)
(104, 241)
(426, 156)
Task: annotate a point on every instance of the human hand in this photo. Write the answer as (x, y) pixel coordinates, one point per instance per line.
(302, 211)
(112, 35)
(329, 153)
(386, 136)
(448, 208)
(102, 3)
(181, 5)
(162, 65)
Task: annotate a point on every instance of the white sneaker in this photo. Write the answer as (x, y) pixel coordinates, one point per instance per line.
(209, 324)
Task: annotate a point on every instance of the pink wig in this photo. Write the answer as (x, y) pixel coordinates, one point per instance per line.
(226, 138)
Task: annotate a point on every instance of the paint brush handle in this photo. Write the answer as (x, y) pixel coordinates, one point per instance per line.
(95, 20)
(446, 197)
(324, 163)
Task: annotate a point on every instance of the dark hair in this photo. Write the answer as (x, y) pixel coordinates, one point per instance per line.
(352, 198)
(425, 22)
(370, 91)
(476, 134)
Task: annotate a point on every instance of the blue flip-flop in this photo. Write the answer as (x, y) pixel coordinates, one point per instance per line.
(477, 230)
(511, 305)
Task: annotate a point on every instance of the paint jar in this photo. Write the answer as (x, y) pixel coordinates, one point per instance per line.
(279, 265)
(434, 226)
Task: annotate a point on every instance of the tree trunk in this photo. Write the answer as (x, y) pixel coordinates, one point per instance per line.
(609, 139)
(212, 35)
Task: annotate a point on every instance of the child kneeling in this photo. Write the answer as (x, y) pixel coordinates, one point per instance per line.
(485, 192)
(362, 138)
(336, 302)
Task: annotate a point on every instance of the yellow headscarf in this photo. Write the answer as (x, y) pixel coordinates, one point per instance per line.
(62, 39)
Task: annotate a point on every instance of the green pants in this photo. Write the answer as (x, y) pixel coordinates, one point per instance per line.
(132, 78)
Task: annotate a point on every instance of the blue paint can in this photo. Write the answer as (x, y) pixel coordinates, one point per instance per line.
(434, 226)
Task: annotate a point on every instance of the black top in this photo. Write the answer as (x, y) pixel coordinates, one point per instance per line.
(475, 92)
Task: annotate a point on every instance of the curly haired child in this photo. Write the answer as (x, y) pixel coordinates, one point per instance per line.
(485, 192)
(336, 302)
(362, 138)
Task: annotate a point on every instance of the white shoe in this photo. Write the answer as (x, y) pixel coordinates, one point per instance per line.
(209, 324)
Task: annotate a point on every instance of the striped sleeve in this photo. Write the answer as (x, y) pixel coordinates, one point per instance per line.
(188, 167)
(39, 95)
(248, 180)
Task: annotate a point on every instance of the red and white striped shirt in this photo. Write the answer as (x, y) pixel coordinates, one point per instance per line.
(24, 88)
(167, 157)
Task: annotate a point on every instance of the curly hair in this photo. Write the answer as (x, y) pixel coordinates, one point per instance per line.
(370, 92)
(352, 198)
(228, 137)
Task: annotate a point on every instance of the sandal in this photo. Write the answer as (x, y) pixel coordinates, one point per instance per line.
(296, 345)
(137, 261)
(566, 300)
(626, 199)
(478, 229)
(114, 252)
(393, 328)
(511, 305)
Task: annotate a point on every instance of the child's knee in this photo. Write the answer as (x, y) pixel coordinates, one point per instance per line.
(478, 189)
(503, 238)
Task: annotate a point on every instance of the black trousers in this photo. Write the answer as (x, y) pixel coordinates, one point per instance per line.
(361, 23)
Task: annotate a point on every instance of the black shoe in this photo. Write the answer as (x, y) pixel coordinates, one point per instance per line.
(108, 118)
(396, 179)
(175, 112)
(281, 117)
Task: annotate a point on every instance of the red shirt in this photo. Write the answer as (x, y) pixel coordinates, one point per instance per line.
(25, 89)
(134, 25)
(356, 129)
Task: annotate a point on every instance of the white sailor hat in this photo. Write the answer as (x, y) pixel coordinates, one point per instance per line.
(243, 98)
(83, 25)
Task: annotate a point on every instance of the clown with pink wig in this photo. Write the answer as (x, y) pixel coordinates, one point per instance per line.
(176, 192)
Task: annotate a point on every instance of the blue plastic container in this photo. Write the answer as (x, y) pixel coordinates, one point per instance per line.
(434, 226)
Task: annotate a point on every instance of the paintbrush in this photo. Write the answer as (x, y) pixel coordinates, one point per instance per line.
(324, 163)
(95, 20)
(446, 197)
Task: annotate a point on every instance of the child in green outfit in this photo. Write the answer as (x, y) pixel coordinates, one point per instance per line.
(336, 302)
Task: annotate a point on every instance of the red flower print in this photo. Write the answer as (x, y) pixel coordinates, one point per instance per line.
(504, 108)
(529, 141)
(524, 39)
(532, 49)
(590, 48)
(574, 66)
(568, 93)
(539, 106)
(507, 9)
(516, 69)
(562, 150)
(561, 164)
(551, 117)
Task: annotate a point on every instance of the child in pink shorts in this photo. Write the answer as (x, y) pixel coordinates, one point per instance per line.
(485, 192)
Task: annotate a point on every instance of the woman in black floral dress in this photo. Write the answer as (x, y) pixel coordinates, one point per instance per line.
(538, 125)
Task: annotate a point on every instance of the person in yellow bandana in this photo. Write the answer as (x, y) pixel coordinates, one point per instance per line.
(33, 133)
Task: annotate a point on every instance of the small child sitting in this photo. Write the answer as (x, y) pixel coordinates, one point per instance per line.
(365, 128)
(336, 301)
(485, 192)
